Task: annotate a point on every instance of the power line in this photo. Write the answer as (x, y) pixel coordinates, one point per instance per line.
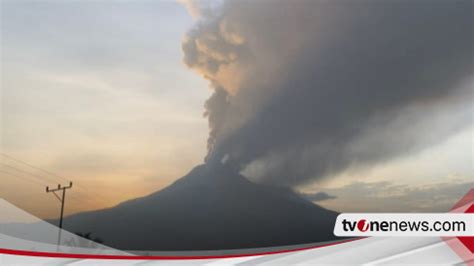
(34, 167)
(37, 177)
(39, 169)
(37, 182)
(25, 172)
(22, 177)
(50, 174)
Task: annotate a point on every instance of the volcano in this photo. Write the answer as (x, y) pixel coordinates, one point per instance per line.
(210, 208)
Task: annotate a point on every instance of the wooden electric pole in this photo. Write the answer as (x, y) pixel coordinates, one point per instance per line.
(62, 199)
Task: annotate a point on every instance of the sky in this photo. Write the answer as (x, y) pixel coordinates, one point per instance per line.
(97, 93)
(106, 94)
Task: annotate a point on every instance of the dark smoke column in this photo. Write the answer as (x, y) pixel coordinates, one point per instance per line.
(306, 89)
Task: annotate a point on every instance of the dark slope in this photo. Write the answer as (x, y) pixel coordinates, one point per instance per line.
(209, 208)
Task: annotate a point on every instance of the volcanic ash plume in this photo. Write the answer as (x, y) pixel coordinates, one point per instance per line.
(306, 89)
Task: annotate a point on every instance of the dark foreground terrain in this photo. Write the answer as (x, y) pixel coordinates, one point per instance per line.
(210, 208)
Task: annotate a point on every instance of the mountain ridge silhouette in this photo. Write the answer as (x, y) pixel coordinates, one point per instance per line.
(210, 208)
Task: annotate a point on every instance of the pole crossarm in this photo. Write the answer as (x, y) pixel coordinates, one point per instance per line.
(59, 188)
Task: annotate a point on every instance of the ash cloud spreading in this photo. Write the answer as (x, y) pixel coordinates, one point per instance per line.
(318, 196)
(306, 89)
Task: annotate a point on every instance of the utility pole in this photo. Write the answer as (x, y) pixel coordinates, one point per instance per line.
(62, 199)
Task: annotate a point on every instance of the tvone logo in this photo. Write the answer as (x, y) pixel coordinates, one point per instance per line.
(363, 225)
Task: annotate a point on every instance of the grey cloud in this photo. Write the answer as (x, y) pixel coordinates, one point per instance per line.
(389, 197)
(318, 196)
(323, 86)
